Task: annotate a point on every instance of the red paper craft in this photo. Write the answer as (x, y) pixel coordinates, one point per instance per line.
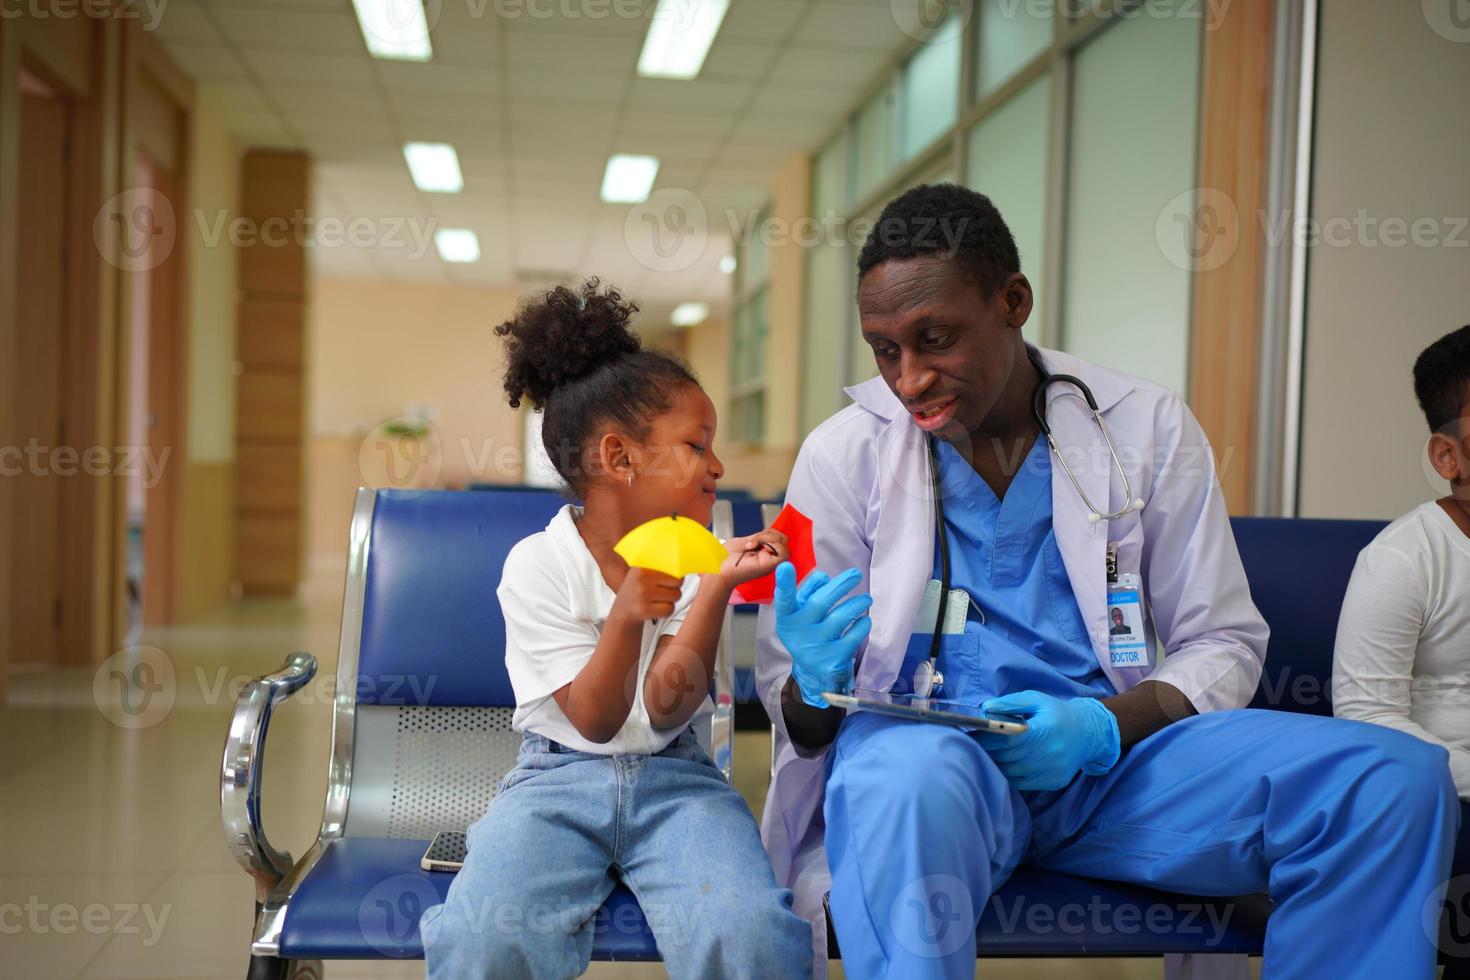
(798, 530)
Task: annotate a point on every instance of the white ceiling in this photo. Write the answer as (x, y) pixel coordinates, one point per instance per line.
(534, 104)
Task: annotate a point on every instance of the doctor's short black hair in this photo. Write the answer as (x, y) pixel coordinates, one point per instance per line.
(1442, 378)
(948, 220)
(573, 354)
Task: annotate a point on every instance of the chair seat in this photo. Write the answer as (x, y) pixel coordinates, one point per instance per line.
(1040, 913)
(363, 898)
(1043, 913)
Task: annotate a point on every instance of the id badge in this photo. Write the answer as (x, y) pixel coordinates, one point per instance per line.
(1127, 645)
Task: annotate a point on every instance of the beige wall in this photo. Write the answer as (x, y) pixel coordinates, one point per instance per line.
(1392, 141)
(205, 567)
(375, 349)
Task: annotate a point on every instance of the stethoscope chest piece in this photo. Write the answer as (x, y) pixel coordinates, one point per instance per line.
(927, 679)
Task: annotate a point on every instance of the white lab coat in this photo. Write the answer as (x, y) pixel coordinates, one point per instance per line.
(863, 478)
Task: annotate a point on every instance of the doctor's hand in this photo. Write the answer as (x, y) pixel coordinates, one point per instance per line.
(821, 634)
(1061, 737)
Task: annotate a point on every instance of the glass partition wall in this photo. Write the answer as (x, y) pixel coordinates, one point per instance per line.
(1081, 129)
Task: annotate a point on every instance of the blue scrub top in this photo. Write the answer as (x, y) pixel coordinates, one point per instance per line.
(1004, 553)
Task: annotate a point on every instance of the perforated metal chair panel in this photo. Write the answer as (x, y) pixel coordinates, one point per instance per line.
(420, 769)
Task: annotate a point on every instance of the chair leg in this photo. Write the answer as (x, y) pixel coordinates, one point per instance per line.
(305, 970)
(268, 968)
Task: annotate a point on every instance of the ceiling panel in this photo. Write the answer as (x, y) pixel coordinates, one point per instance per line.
(533, 104)
(186, 21)
(852, 25)
(326, 29)
(285, 68)
(761, 20)
(208, 62)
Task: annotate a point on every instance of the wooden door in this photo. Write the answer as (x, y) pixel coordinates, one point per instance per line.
(47, 459)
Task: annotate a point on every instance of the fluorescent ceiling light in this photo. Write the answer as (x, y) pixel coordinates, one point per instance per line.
(679, 37)
(628, 179)
(434, 166)
(689, 314)
(394, 29)
(457, 245)
(727, 264)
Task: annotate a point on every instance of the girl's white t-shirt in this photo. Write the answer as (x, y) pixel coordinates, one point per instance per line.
(555, 602)
(1403, 642)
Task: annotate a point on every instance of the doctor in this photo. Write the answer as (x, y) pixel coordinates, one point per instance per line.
(1135, 767)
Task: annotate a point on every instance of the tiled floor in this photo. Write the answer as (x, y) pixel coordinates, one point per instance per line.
(112, 861)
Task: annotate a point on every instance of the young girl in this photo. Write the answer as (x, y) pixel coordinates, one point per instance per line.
(611, 668)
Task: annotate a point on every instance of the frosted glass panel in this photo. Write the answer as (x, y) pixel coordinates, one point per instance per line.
(829, 318)
(931, 88)
(829, 176)
(1133, 140)
(1007, 163)
(875, 138)
(1012, 32)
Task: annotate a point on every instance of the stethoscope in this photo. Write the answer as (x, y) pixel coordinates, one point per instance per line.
(927, 678)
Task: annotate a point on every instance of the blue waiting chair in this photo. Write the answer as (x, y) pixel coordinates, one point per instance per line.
(420, 734)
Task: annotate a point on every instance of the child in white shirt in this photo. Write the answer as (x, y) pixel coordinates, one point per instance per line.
(1403, 643)
(611, 668)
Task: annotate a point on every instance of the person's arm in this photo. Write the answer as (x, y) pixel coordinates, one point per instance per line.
(1213, 636)
(597, 701)
(823, 486)
(1147, 708)
(683, 666)
(1378, 632)
(810, 727)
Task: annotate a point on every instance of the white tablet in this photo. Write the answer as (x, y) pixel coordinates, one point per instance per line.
(925, 709)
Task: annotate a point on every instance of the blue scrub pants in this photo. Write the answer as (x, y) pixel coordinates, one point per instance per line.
(1349, 827)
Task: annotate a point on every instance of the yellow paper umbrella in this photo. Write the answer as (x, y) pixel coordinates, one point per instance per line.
(673, 545)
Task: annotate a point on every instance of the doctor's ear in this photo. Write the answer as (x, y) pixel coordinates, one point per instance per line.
(1017, 298)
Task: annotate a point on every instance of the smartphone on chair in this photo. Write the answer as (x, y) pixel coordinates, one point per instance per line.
(446, 852)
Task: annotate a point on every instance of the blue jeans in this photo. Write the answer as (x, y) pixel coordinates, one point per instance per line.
(566, 826)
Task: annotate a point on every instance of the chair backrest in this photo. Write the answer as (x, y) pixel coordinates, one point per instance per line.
(1298, 569)
(422, 729)
(423, 656)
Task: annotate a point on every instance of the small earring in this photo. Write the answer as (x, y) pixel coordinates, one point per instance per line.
(630, 479)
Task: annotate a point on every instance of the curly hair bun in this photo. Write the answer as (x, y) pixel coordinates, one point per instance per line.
(562, 335)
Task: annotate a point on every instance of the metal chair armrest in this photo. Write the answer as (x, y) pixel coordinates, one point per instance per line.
(240, 771)
(722, 725)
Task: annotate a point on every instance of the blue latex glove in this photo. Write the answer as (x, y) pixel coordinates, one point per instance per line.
(1062, 737)
(821, 635)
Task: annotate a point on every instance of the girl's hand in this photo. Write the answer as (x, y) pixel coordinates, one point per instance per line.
(646, 594)
(753, 556)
